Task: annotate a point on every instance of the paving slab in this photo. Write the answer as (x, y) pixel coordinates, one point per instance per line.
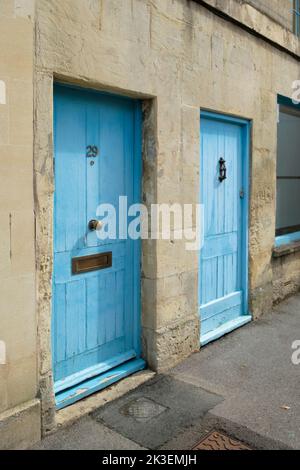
(252, 368)
(157, 411)
(86, 434)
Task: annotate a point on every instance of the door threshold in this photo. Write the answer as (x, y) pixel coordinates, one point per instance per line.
(224, 329)
(84, 389)
(95, 371)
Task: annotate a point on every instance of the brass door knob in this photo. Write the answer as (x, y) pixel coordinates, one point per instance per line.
(95, 225)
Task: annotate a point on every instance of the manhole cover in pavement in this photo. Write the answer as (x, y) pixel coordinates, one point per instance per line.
(218, 441)
(142, 409)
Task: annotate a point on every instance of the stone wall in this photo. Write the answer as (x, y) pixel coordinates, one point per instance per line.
(19, 411)
(177, 57)
(279, 10)
(286, 276)
(251, 17)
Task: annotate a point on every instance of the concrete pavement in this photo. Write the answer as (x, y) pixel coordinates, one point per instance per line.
(244, 385)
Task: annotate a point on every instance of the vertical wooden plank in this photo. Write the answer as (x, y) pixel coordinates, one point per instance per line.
(95, 312)
(210, 279)
(93, 166)
(110, 307)
(137, 246)
(237, 284)
(112, 174)
(242, 217)
(75, 318)
(59, 325)
(69, 172)
(128, 138)
(222, 201)
(220, 286)
(220, 187)
(120, 303)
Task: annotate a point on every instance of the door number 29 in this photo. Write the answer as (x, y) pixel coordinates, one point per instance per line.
(92, 151)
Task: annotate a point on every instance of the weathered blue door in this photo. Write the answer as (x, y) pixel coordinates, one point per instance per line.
(223, 263)
(96, 282)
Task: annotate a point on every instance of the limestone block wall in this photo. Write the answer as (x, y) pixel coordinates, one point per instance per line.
(286, 276)
(19, 411)
(177, 57)
(279, 10)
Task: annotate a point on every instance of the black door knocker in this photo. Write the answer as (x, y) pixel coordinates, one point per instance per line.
(222, 170)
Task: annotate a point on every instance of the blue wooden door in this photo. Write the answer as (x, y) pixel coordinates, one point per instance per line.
(95, 325)
(223, 263)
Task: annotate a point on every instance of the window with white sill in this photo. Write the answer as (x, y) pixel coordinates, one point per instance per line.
(288, 173)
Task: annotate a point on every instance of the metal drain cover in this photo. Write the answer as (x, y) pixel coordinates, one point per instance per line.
(142, 409)
(218, 441)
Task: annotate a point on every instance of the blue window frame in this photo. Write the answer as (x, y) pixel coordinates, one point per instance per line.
(288, 172)
(296, 16)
